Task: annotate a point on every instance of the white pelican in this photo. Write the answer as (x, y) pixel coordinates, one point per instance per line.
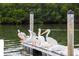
(22, 36)
(41, 38)
(57, 47)
(42, 41)
(33, 34)
(49, 39)
(27, 39)
(31, 37)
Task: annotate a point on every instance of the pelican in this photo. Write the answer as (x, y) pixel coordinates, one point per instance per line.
(49, 39)
(57, 47)
(27, 39)
(32, 34)
(22, 35)
(42, 41)
(41, 38)
(32, 37)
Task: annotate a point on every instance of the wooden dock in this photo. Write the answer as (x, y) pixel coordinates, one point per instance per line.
(43, 50)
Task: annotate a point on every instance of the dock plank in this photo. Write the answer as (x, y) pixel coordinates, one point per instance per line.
(52, 53)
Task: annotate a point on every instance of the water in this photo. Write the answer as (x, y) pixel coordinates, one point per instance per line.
(12, 46)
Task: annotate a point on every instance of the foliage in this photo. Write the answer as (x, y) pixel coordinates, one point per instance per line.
(18, 13)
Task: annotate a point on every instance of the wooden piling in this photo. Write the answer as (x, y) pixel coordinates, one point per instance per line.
(31, 21)
(70, 32)
(31, 27)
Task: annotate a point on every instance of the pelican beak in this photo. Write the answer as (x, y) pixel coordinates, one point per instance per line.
(44, 32)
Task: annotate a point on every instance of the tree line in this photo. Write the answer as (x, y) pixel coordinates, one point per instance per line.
(18, 13)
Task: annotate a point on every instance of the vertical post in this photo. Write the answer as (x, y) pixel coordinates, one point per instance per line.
(31, 27)
(31, 21)
(70, 32)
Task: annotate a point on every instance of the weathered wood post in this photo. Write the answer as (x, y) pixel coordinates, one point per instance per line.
(31, 27)
(70, 32)
(31, 21)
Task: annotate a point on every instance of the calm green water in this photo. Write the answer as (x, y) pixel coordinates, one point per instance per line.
(9, 34)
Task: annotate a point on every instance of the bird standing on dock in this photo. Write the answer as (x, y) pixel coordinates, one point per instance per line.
(32, 36)
(32, 39)
(50, 40)
(22, 36)
(41, 39)
(27, 39)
